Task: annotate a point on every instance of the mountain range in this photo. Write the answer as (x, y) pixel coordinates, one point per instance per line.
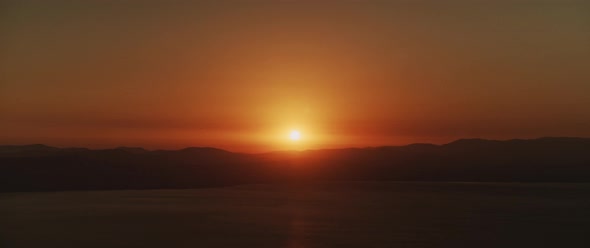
(45, 168)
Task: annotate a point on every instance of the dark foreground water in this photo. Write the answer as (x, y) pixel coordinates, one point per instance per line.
(320, 215)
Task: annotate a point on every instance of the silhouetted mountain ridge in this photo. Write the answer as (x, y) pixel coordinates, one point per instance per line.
(131, 149)
(41, 167)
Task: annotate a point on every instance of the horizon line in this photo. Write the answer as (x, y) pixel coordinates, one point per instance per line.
(303, 150)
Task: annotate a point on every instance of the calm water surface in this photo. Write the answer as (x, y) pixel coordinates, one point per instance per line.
(350, 214)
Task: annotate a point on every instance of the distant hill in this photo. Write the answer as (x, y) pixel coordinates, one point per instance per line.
(45, 168)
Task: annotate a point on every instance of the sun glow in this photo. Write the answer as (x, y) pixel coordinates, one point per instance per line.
(295, 135)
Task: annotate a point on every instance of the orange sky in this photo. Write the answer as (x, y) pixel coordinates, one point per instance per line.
(240, 76)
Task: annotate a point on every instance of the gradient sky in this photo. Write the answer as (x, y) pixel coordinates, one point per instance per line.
(240, 74)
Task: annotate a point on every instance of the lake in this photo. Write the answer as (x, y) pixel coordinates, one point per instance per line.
(331, 214)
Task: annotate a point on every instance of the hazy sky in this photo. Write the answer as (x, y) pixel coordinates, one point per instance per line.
(240, 74)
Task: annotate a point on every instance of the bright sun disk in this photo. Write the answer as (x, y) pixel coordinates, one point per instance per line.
(295, 135)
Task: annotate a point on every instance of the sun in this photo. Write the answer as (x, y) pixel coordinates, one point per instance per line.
(295, 135)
